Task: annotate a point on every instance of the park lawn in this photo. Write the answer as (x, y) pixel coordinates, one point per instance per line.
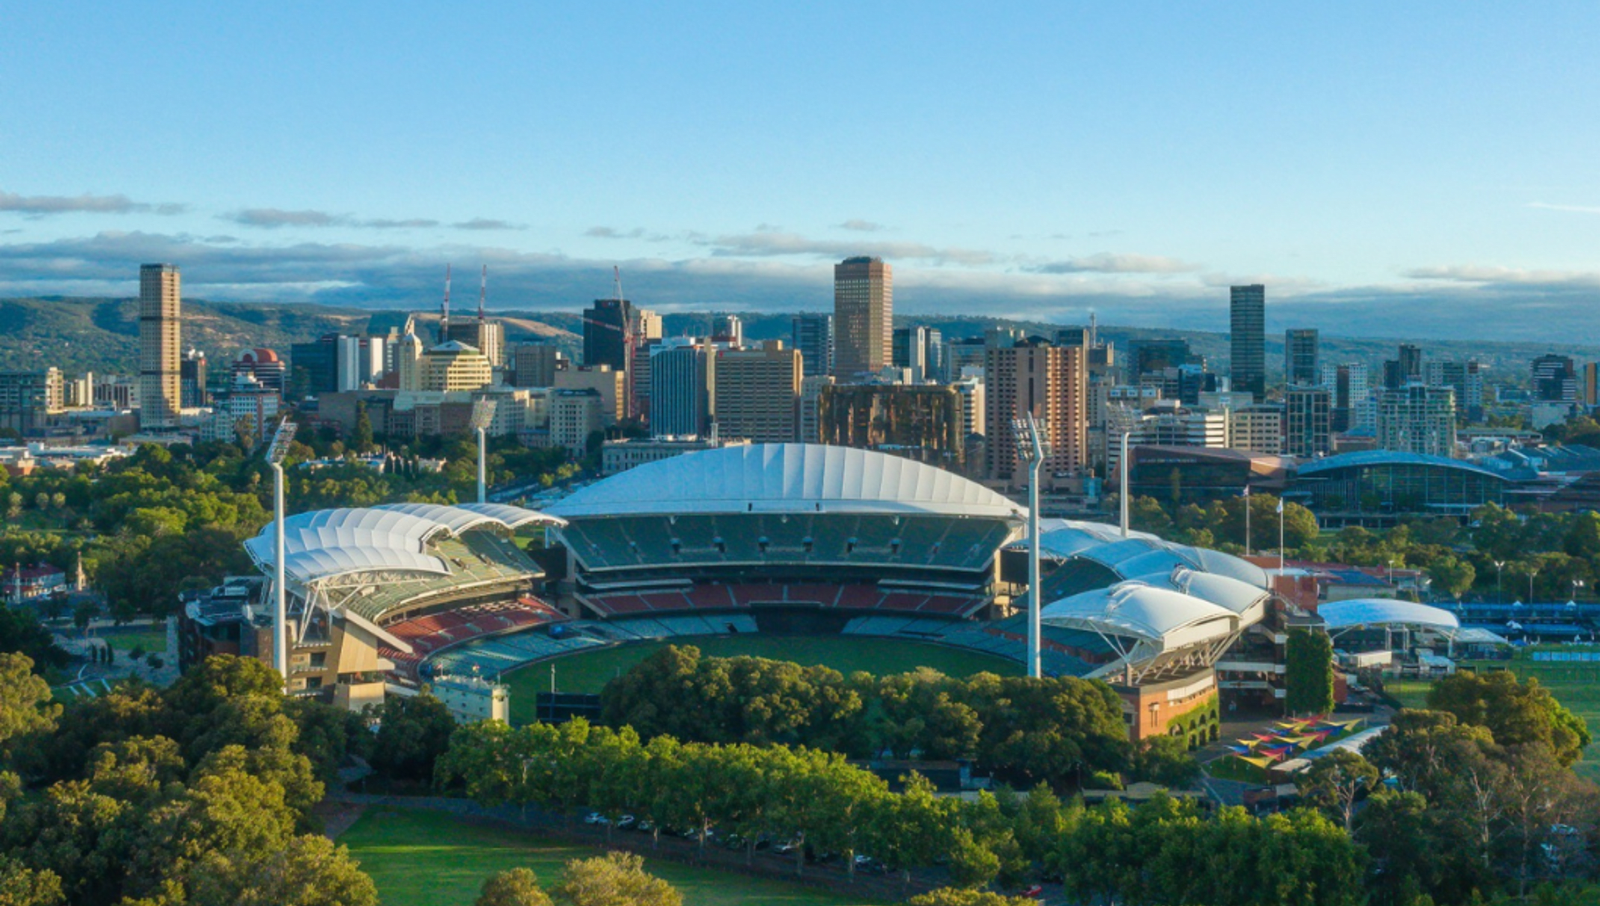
(589, 671)
(1410, 693)
(419, 858)
(125, 640)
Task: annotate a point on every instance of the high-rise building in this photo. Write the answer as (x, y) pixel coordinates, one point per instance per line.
(1347, 385)
(1308, 421)
(1257, 427)
(1555, 379)
(1153, 356)
(482, 334)
(575, 415)
(1417, 418)
(611, 384)
(910, 351)
(1248, 321)
(192, 379)
(605, 325)
(682, 387)
(812, 335)
(863, 315)
(727, 329)
(160, 391)
(1589, 385)
(959, 355)
(1404, 370)
(1300, 357)
(535, 364)
(917, 421)
(1051, 382)
(28, 397)
(758, 392)
(452, 366)
(811, 388)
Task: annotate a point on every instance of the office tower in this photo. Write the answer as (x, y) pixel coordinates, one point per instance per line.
(192, 379)
(1152, 356)
(1404, 370)
(535, 364)
(972, 402)
(646, 326)
(1555, 379)
(28, 397)
(159, 378)
(488, 337)
(1248, 321)
(959, 355)
(910, 351)
(1170, 425)
(314, 366)
(1589, 385)
(347, 364)
(727, 329)
(454, 366)
(265, 366)
(574, 416)
(1417, 418)
(1300, 357)
(605, 326)
(1307, 421)
(682, 384)
(1257, 427)
(863, 315)
(408, 361)
(812, 335)
(611, 384)
(917, 421)
(1051, 382)
(811, 387)
(1346, 384)
(757, 392)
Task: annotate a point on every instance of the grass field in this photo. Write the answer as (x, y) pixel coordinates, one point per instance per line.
(590, 671)
(125, 640)
(1577, 686)
(430, 859)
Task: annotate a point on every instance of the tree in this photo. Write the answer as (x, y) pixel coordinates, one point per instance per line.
(615, 879)
(1336, 781)
(25, 707)
(1308, 669)
(1165, 760)
(361, 437)
(513, 887)
(1515, 713)
(1452, 576)
(960, 896)
(309, 871)
(23, 886)
(413, 732)
(20, 632)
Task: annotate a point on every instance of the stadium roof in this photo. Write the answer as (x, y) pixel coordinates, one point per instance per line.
(1385, 612)
(1163, 619)
(1140, 553)
(768, 478)
(1389, 458)
(327, 544)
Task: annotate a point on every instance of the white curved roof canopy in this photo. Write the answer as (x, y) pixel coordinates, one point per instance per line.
(1140, 553)
(511, 516)
(786, 478)
(1163, 619)
(1242, 598)
(1386, 612)
(327, 544)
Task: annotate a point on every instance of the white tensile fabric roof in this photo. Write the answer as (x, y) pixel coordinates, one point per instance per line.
(1138, 554)
(1163, 618)
(330, 543)
(770, 478)
(1385, 612)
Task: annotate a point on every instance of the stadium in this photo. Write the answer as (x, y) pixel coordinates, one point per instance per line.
(798, 542)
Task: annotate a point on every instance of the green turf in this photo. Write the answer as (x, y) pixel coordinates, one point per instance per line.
(589, 671)
(430, 859)
(125, 640)
(1577, 686)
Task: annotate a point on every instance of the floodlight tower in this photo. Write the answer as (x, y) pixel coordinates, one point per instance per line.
(276, 451)
(482, 415)
(1123, 421)
(1032, 449)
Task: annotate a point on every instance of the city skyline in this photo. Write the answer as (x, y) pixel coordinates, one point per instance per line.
(1177, 174)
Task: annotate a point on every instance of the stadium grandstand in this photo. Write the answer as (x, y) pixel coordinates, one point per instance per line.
(372, 590)
(785, 527)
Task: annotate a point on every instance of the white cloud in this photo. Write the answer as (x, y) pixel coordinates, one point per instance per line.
(44, 205)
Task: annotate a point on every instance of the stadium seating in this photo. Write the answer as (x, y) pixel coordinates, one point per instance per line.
(745, 596)
(433, 632)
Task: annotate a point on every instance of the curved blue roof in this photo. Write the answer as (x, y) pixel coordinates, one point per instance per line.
(1362, 458)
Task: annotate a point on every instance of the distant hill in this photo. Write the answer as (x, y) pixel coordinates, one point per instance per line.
(88, 334)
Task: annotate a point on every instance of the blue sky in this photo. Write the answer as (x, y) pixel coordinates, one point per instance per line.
(1030, 159)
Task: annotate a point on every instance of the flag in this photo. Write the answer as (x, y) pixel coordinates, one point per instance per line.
(1280, 504)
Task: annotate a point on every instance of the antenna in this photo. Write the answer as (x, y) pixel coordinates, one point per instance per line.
(1094, 329)
(444, 320)
(483, 291)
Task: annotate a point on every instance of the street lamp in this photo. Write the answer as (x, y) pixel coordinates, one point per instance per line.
(1499, 596)
(1530, 586)
(1576, 584)
(276, 451)
(482, 416)
(1032, 449)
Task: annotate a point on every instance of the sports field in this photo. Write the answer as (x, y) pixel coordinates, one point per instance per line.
(1577, 686)
(590, 671)
(422, 858)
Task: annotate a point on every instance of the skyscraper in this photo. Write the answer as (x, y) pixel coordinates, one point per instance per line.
(1300, 357)
(160, 393)
(910, 351)
(1049, 381)
(758, 393)
(1248, 321)
(1308, 421)
(812, 335)
(682, 387)
(605, 325)
(863, 315)
(1417, 418)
